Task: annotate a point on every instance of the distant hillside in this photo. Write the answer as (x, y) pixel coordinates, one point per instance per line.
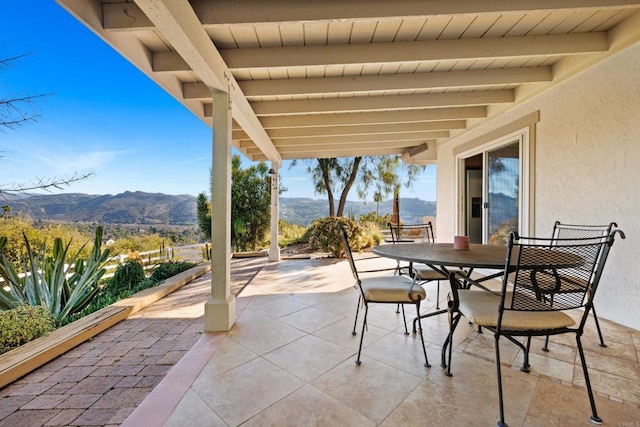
(125, 208)
(157, 208)
(302, 210)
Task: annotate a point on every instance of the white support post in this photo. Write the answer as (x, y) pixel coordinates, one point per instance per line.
(220, 310)
(274, 249)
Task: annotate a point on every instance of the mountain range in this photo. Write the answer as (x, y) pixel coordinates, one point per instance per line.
(157, 208)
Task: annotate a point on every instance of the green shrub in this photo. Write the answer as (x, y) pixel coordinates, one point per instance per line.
(289, 233)
(323, 234)
(127, 275)
(47, 280)
(23, 324)
(169, 269)
(372, 217)
(125, 286)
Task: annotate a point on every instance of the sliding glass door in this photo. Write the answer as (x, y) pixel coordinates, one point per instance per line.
(502, 192)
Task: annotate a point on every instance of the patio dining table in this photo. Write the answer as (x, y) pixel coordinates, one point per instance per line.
(442, 256)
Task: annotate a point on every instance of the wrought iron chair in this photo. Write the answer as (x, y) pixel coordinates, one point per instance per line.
(533, 269)
(401, 233)
(385, 290)
(579, 231)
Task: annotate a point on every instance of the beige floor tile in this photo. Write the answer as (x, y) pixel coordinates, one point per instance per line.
(340, 333)
(612, 364)
(274, 306)
(343, 302)
(624, 350)
(554, 404)
(316, 299)
(483, 345)
(309, 276)
(469, 398)
(261, 334)
(547, 366)
(618, 387)
(229, 355)
(310, 319)
(611, 332)
(309, 357)
(193, 411)
(241, 393)
(403, 352)
(309, 407)
(374, 389)
(436, 329)
(564, 352)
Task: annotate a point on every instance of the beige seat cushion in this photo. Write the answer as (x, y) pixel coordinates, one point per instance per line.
(427, 273)
(391, 289)
(481, 308)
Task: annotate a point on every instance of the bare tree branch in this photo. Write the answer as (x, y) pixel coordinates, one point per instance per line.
(46, 184)
(16, 111)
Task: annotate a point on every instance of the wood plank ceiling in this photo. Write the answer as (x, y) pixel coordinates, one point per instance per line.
(331, 78)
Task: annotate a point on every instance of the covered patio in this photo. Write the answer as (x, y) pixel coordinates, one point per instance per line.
(435, 82)
(289, 361)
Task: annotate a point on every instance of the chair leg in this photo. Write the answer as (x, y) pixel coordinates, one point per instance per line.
(364, 324)
(501, 422)
(453, 323)
(595, 317)
(546, 344)
(404, 320)
(438, 296)
(398, 309)
(594, 413)
(525, 364)
(357, 310)
(424, 349)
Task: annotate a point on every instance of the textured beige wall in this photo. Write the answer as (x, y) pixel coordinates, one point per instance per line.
(587, 169)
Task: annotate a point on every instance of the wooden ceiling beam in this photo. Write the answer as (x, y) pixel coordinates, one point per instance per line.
(394, 82)
(415, 52)
(402, 52)
(444, 125)
(126, 16)
(332, 141)
(365, 148)
(373, 103)
(376, 117)
(345, 152)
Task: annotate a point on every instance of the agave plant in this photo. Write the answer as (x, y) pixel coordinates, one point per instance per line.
(47, 281)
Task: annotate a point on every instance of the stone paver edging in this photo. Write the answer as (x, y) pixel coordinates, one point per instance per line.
(30, 356)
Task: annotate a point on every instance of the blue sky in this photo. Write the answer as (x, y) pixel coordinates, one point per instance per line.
(106, 117)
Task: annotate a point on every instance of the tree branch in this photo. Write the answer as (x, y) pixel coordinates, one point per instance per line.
(46, 184)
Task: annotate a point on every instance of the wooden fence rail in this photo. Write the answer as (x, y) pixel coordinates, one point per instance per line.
(190, 253)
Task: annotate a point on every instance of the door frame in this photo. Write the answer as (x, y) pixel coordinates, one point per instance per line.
(526, 187)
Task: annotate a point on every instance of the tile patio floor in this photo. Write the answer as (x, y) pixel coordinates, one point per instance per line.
(289, 361)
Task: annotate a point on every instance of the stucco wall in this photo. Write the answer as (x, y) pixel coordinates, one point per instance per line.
(587, 169)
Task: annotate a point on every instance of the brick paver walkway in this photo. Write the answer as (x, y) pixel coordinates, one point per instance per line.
(100, 382)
